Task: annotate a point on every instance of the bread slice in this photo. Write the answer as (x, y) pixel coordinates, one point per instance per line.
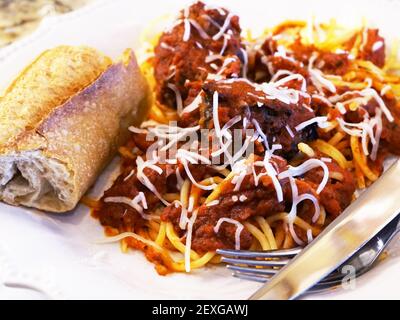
(61, 121)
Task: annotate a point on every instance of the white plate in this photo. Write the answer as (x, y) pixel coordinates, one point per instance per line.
(55, 256)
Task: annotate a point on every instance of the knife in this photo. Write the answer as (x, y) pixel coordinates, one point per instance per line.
(361, 221)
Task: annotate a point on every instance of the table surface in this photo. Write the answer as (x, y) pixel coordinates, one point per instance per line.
(21, 17)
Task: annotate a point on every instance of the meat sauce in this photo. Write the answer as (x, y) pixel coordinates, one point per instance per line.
(373, 48)
(184, 64)
(276, 119)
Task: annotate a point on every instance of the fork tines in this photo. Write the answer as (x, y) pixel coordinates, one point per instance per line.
(269, 254)
(256, 265)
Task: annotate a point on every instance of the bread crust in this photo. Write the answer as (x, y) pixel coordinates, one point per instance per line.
(52, 165)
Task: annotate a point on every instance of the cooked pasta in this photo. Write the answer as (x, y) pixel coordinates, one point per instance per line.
(318, 104)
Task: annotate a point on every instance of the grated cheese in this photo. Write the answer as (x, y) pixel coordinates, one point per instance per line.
(179, 102)
(321, 121)
(305, 167)
(224, 27)
(239, 229)
(194, 104)
(134, 203)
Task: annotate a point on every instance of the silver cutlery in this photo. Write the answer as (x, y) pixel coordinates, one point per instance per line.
(355, 227)
(358, 224)
(260, 266)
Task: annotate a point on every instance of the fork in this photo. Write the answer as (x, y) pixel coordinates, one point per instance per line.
(260, 266)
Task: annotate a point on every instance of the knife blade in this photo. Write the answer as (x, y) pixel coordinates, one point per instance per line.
(361, 221)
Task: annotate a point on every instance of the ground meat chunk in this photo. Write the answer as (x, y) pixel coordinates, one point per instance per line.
(121, 216)
(373, 48)
(337, 194)
(296, 59)
(181, 65)
(390, 137)
(391, 130)
(333, 63)
(276, 119)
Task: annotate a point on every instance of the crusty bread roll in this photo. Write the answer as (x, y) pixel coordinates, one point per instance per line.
(61, 121)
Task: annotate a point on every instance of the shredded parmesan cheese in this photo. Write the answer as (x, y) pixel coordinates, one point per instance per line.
(179, 102)
(224, 27)
(321, 121)
(305, 167)
(239, 229)
(134, 203)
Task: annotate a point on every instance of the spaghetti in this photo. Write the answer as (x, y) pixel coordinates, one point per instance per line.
(321, 105)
